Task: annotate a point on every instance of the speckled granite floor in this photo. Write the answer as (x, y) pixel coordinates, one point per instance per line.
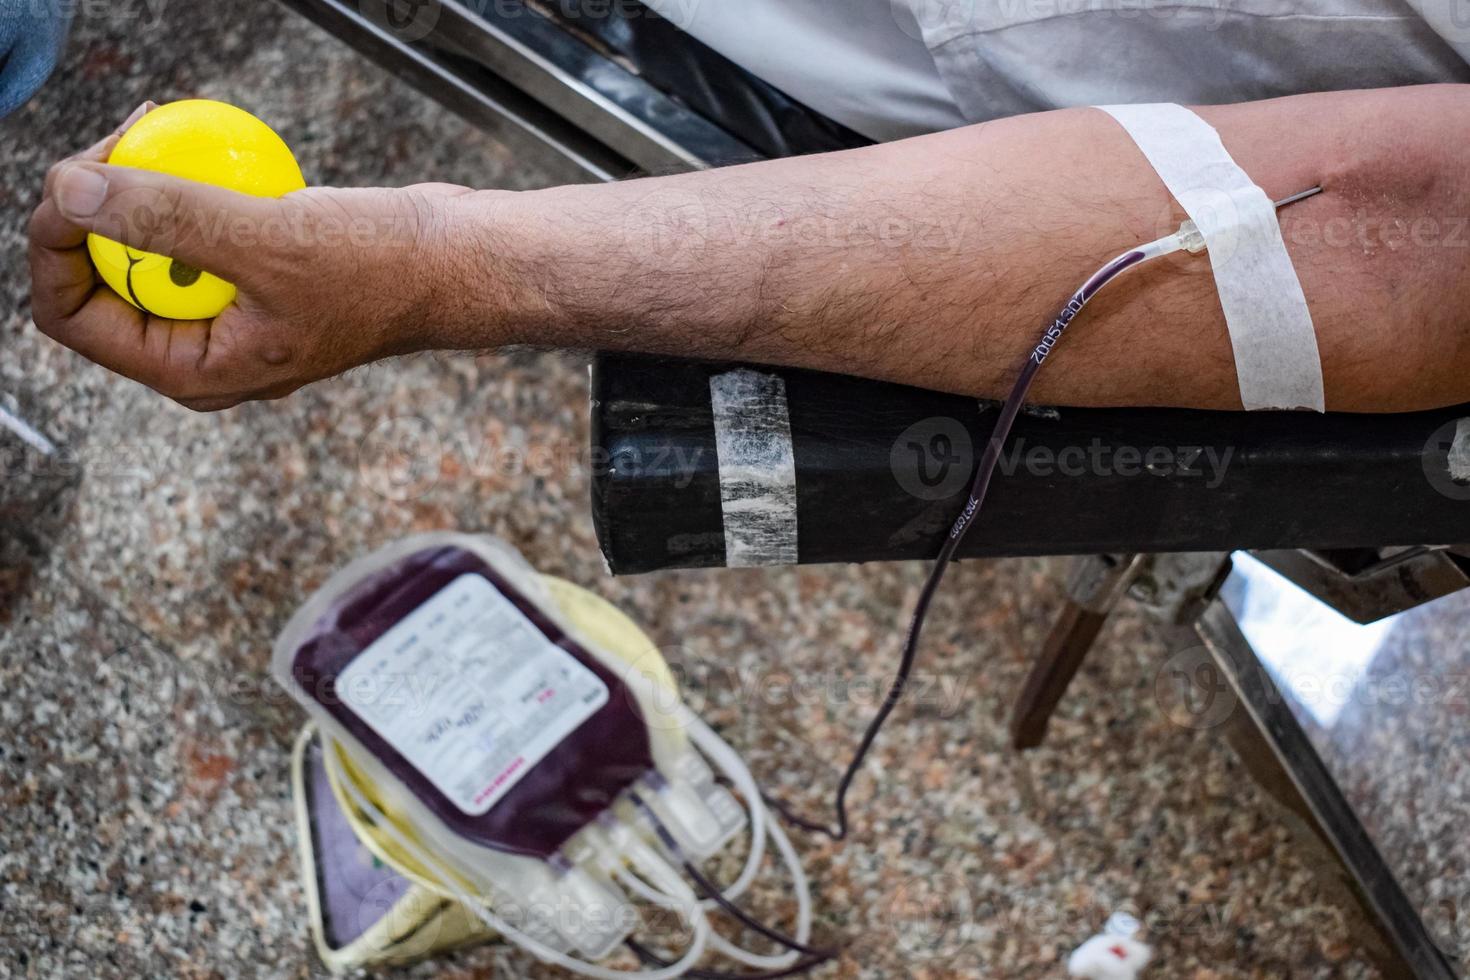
(147, 827)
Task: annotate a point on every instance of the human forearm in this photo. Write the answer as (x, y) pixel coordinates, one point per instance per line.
(934, 261)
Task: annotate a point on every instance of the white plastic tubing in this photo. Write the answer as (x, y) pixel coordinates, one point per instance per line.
(656, 881)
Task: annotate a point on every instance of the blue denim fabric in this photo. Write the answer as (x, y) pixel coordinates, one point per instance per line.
(32, 33)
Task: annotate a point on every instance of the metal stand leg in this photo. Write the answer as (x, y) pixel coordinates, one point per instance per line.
(1175, 586)
(1097, 584)
(1220, 683)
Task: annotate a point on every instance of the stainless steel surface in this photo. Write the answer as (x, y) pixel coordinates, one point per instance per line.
(1399, 581)
(1329, 811)
(480, 98)
(1358, 731)
(592, 92)
(503, 64)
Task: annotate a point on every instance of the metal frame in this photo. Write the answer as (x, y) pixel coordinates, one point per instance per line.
(1282, 757)
(1374, 586)
(500, 64)
(1182, 591)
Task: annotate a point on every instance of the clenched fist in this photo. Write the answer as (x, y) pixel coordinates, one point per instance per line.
(328, 279)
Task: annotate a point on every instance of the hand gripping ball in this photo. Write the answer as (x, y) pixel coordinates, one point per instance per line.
(199, 140)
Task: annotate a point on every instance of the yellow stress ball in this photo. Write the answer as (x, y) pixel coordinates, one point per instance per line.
(209, 142)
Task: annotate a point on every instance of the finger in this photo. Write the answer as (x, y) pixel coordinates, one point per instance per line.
(98, 152)
(50, 229)
(61, 273)
(206, 226)
(175, 351)
(106, 329)
(68, 305)
(62, 277)
(134, 116)
(162, 354)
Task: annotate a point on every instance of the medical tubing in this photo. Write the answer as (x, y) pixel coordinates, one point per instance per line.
(652, 869)
(798, 882)
(649, 956)
(693, 914)
(728, 761)
(773, 967)
(718, 943)
(771, 933)
(649, 892)
(741, 955)
(644, 890)
(760, 821)
(713, 890)
(1010, 409)
(733, 767)
(778, 965)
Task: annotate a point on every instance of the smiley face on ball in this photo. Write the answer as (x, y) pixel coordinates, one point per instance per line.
(158, 284)
(198, 140)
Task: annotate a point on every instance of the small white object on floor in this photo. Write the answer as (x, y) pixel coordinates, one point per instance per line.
(26, 433)
(1116, 954)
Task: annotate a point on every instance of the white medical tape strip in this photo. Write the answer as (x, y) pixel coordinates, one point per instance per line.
(1276, 357)
(757, 468)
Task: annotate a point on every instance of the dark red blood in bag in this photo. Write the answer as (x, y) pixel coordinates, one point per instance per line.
(559, 795)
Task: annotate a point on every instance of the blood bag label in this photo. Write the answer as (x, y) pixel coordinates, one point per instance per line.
(470, 692)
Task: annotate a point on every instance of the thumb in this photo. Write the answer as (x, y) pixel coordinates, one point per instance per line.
(205, 226)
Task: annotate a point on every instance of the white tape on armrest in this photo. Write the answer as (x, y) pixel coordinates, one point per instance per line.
(1275, 344)
(757, 468)
(1459, 456)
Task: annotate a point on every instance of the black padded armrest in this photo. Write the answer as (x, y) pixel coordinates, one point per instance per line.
(1074, 481)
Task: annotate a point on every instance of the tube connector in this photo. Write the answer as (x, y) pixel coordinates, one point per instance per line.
(1191, 239)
